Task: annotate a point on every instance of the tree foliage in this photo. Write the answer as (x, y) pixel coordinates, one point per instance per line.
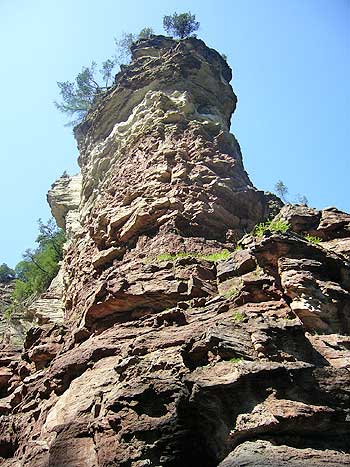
(40, 265)
(180, 25)
(6, 273)
(145, 33)
(302, 199)
(79, 95)
(281, 189)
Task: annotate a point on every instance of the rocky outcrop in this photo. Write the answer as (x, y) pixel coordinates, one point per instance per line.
(49, 307)
(161, 173)
(181, 346)
(64, 200)
(329, 225)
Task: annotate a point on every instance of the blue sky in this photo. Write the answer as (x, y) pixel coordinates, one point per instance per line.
(291, 66)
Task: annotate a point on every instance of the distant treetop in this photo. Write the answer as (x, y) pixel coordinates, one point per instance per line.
(180, 25)
(6, 273)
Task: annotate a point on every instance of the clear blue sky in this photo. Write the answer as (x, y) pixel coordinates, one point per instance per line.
(291, 66)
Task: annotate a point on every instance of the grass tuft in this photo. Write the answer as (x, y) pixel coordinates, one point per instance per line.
(238, 316)
(233, 292)
(218, 256)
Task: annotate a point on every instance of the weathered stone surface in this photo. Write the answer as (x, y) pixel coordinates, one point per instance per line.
(241, 263)
(267, 454)
(44, 309)
(64, 200)
(175, 348)
(49, 307)
(330, 225)
(301, 218)
(13, 325)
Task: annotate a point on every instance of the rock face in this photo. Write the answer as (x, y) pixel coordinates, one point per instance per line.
(64, 200)
(177, 347)
(14, 326)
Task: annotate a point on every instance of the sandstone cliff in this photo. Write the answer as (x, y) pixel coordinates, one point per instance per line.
(178, 348)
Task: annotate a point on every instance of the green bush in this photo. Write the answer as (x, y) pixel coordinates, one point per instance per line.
(312, 239)
(238, 316)
(218, 256)
(172, 256)
(270, 226)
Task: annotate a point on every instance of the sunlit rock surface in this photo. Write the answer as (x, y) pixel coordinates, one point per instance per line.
(64, 200)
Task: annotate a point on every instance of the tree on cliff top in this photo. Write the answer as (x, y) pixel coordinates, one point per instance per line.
(78, 96)
(88, 87)
(180, 25)
(281, 189)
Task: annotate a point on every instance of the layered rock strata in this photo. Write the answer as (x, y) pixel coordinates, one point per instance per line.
(161, 173)
(178, 347)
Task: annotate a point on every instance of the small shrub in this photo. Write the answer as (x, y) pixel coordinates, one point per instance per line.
(238, 247)
(270, 226)
(312, 239)
(6, 316)
(236, 359)
(233, 292)
(238, 316)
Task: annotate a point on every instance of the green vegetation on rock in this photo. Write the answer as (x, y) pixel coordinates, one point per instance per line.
(236, 359)
(232, 292)
(217, 256)
(313, 239)
(39, 266)
(271, 226)
(87, 89)
(238, 316)
(180, 25)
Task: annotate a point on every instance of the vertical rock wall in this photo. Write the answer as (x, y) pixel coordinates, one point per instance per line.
(161, 174)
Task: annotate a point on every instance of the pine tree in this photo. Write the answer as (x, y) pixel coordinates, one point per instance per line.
(180, 25)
